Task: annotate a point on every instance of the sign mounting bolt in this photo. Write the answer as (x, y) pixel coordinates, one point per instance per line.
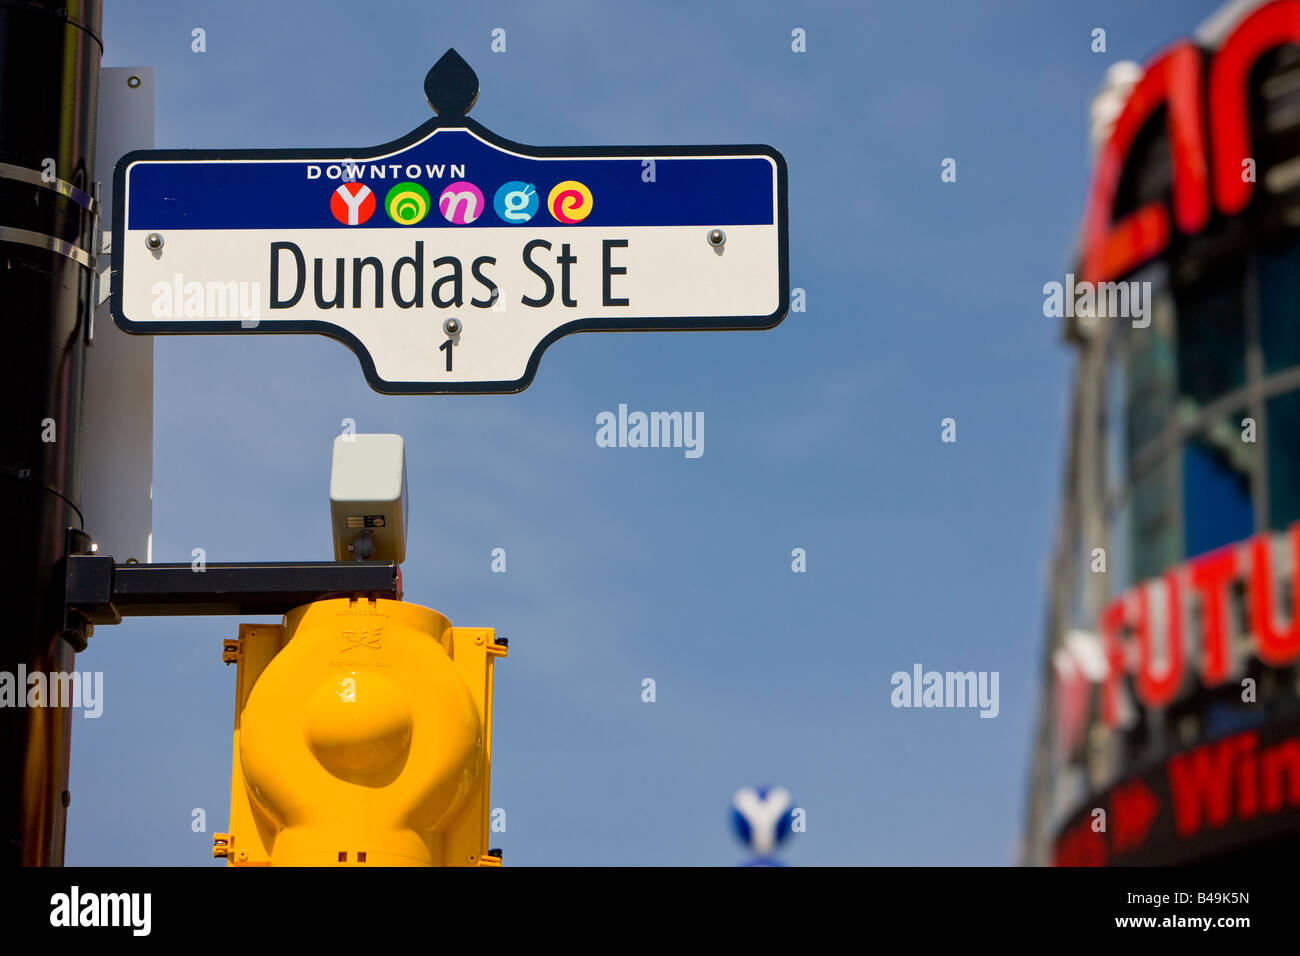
(717, 238)
(452, 326)
(154, 240)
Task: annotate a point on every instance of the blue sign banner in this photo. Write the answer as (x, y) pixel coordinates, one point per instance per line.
(296, 194)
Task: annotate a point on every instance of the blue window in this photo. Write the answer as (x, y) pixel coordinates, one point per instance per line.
(1217, 507)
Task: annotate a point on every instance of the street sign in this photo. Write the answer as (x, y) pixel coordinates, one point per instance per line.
(763, 817)
(450, 259)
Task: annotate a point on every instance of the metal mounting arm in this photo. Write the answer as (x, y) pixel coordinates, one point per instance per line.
(100, 591)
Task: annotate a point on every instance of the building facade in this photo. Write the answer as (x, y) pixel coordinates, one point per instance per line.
(1169, 728)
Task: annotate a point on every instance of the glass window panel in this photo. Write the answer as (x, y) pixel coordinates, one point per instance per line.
(1211, 338)
(1113, 425)
(1283, 460)
(1150, 374)
(1118, 558)
(1217, 504)
(1154, 525)
(1279, 307)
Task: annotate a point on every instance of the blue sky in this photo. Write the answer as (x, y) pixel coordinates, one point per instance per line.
(924, 301)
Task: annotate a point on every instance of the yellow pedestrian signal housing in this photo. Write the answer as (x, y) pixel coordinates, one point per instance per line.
(363, 736)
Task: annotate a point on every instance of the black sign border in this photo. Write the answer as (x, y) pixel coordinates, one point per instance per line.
(298, 326)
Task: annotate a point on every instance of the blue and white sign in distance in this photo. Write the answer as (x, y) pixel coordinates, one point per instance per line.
(762, 817)
(516, 245)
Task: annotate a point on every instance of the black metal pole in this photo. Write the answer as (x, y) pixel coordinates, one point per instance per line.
(50, 54)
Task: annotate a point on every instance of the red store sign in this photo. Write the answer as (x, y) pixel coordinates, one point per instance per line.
(1235, 791)
(1178, 79)
(1156, 635)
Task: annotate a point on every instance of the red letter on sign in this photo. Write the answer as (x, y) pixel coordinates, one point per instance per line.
(1173, 79)
(1210, 576)
(1272, 25)
(1132, 808)
(1275, 647)
(1112, 619)
(1200, 784)
(1159, 691)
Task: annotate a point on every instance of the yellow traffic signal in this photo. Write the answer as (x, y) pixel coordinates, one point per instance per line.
(363, 736)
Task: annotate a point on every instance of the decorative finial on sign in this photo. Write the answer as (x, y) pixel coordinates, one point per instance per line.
(451, 87)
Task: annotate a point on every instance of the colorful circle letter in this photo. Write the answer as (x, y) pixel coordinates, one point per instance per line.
(516, 202)
(461, 203)
(407, 203)
(352, 204)
(570, 201)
